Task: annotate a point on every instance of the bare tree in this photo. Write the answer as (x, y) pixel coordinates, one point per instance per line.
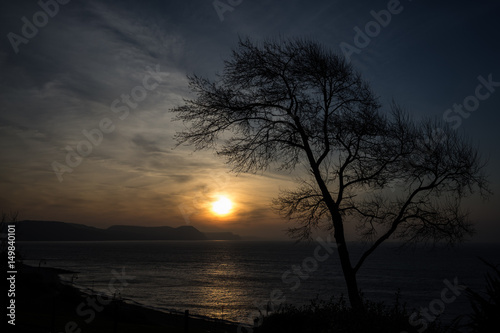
(288, 103)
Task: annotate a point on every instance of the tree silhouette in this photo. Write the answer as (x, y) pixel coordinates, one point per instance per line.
(291, 102)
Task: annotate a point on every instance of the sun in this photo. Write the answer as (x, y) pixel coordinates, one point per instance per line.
(222, 206)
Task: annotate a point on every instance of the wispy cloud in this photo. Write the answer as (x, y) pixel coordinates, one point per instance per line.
(66, 78)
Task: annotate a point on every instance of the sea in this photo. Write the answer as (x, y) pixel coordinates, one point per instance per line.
(239, 280)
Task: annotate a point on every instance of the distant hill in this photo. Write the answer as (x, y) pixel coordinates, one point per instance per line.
(58, 231)
(62, 231)
(124, 232)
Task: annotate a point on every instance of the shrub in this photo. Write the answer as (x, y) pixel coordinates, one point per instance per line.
(485, 316)
(335, 316)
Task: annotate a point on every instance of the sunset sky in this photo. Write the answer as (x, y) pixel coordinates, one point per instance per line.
(118, 67)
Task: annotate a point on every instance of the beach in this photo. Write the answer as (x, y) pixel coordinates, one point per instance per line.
(45, 304)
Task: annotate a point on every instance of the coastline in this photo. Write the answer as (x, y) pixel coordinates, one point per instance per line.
(46, 304)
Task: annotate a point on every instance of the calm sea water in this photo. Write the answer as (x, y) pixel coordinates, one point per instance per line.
(231, 280)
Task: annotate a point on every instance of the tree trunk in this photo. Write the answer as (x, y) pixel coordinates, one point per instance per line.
(350, 278)
(345, 262)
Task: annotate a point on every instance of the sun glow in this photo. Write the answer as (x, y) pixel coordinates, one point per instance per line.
(222, 206)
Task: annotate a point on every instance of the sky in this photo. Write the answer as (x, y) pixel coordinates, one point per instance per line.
(86, 89)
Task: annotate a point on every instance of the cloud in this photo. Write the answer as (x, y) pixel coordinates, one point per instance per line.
(147, 145)
(66, 78)
(89, 55)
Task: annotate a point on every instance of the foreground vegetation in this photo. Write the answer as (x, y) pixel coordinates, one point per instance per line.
(335, 316)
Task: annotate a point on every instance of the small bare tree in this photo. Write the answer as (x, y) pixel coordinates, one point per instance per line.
(285, 103)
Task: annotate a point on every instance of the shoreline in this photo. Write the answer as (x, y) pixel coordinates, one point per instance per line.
(47, 304)
(129, 301)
